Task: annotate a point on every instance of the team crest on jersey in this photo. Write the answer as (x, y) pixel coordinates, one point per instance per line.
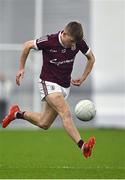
(53, 50)
(73, 48)
(63, 50)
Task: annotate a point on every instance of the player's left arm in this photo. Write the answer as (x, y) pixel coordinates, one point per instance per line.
(89, 65)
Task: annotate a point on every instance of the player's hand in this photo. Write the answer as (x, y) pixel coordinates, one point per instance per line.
(76, 82)
(19, 76)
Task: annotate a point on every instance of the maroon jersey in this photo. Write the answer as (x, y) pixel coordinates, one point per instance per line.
(58, 60)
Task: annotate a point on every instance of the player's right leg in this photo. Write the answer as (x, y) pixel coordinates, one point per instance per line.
(42, 120)
(11, 116)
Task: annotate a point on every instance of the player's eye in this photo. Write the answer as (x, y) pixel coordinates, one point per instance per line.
(72, 41)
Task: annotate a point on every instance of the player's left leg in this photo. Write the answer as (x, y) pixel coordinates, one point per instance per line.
(57, 101)
(88, 146)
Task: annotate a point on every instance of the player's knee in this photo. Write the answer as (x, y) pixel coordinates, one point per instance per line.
(44, 126)
(66, 114)
(66, 118)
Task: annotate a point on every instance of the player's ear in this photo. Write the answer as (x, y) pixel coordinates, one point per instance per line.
(64, 33)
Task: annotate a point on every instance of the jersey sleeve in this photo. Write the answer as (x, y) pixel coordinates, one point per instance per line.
(41, 43)
(84, 48)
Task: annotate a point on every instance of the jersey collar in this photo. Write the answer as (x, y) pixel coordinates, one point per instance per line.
(60, 41)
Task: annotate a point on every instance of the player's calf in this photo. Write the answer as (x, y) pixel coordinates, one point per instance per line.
(43, 126)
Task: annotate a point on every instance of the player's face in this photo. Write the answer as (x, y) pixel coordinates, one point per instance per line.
(68, 40)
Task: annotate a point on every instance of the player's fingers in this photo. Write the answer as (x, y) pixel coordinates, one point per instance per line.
(22, 75)
(72, 81)
(76, 84)
(18, 79)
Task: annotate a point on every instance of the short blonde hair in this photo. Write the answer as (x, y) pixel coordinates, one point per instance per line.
(75, 30)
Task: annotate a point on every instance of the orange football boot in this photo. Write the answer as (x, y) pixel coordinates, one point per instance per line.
(88, 146)
(11, 116)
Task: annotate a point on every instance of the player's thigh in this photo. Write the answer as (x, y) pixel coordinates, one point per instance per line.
(49, 114)
(57, 102)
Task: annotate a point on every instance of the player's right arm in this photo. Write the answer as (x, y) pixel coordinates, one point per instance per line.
(25, 52)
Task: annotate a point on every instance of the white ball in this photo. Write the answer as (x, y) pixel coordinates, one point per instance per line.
(85, 110)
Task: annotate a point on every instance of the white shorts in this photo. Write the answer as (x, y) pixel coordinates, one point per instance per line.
(47, 87)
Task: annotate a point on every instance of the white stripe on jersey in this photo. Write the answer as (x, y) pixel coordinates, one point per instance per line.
(87, 51)
(41, 39)
(35, 46)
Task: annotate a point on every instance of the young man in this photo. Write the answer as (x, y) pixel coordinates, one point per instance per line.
(59, 51)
